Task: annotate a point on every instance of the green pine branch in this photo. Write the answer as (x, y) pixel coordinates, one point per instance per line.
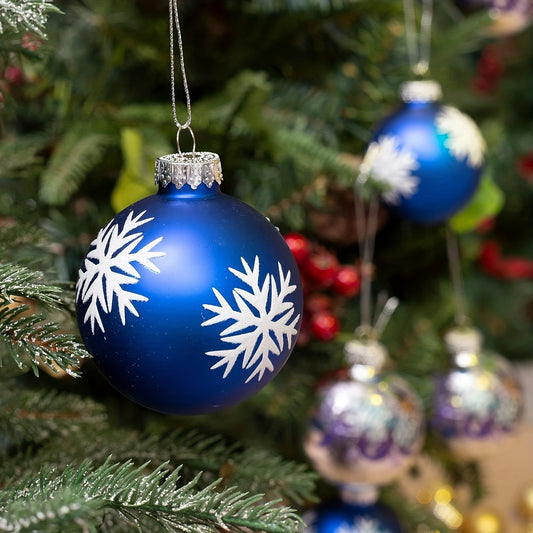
(25, 15)
(33, 416)
(19, 155)
(76, 154)
(28, 338)
(80, 496)
(258, 471)
(20, 281)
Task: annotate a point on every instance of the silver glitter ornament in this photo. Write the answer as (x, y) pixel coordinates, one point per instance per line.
(478, 403)
(368, 425)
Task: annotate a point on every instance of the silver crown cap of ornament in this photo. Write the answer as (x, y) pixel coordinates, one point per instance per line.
(420, 91)
(465, 346)
(188, 168)
(367, 358)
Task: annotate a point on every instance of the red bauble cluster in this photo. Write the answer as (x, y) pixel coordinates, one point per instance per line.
(489, 69)
(324, 280)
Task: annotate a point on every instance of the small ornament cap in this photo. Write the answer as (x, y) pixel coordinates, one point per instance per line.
(188, 168)
(367, 358)
(420, 91)
(463, 340)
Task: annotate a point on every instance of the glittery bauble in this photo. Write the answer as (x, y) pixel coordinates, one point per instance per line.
(189, 300)
(427, 157)
(344, 517)
(509, 16)
(368, 426)
(478, 403)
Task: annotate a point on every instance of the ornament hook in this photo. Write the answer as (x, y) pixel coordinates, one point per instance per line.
(185, 127)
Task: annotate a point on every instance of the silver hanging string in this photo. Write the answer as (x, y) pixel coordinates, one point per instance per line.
(175, 22)
(418, 43)
(454, 261)
(366, 230)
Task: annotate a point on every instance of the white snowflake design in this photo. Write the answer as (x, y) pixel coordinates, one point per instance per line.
(262, 322)
(387, 163)
(464, 138)
(109, 265)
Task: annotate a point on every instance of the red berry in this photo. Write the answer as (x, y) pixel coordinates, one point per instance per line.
(299, 246)
(325, 325)
(316, 302)
(13, 75)
(347, 281)
(321, 267)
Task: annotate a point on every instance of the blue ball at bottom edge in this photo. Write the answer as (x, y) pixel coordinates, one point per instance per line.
(342, 517)
(197, 266)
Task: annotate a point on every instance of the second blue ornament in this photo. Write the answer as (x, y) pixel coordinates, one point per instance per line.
(426, 157)
(189, 300)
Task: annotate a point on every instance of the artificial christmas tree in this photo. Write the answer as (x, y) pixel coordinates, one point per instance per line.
(288, 93)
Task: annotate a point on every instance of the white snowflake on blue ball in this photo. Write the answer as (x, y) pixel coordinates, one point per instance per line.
(261, 324)
(392, 166)
(109, 265)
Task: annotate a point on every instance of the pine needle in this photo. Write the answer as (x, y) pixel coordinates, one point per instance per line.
(25, 15)
(77, 494)
(33, 416)
(77, 153)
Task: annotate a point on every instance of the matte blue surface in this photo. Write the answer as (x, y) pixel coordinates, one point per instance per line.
(159, 358)
(446, 184)
(343, 517)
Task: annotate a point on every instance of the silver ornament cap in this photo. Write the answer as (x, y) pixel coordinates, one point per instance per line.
(367, 358)
(188, 168)
(420, 91)
(464, 344)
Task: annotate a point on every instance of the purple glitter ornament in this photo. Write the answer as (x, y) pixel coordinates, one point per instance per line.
(509, 16)
(478, 404)
(368, 426)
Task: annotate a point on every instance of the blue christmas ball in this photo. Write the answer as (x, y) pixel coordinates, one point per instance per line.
(344, 517)
(189, 300)
(426, 157)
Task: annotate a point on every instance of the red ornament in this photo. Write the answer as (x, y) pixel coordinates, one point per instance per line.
(316, 302)
(321, 267)
(299, 246)
(508, 268)
(347, 281)
(31, 42)
(14, 75)
(524, 166)
(325, 325)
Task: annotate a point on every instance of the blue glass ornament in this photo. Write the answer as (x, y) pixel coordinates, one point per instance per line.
(478, 403)
(189, 300)
(344, 517)
(427, 157)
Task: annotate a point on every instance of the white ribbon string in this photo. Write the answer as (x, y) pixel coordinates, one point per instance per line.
(418, 44)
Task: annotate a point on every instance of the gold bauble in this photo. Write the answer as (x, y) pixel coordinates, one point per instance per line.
(526, 502)
(484, 522)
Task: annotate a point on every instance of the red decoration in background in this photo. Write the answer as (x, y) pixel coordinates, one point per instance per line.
(524, 166)
(509, 268)
(324, 281)
(489, 70)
